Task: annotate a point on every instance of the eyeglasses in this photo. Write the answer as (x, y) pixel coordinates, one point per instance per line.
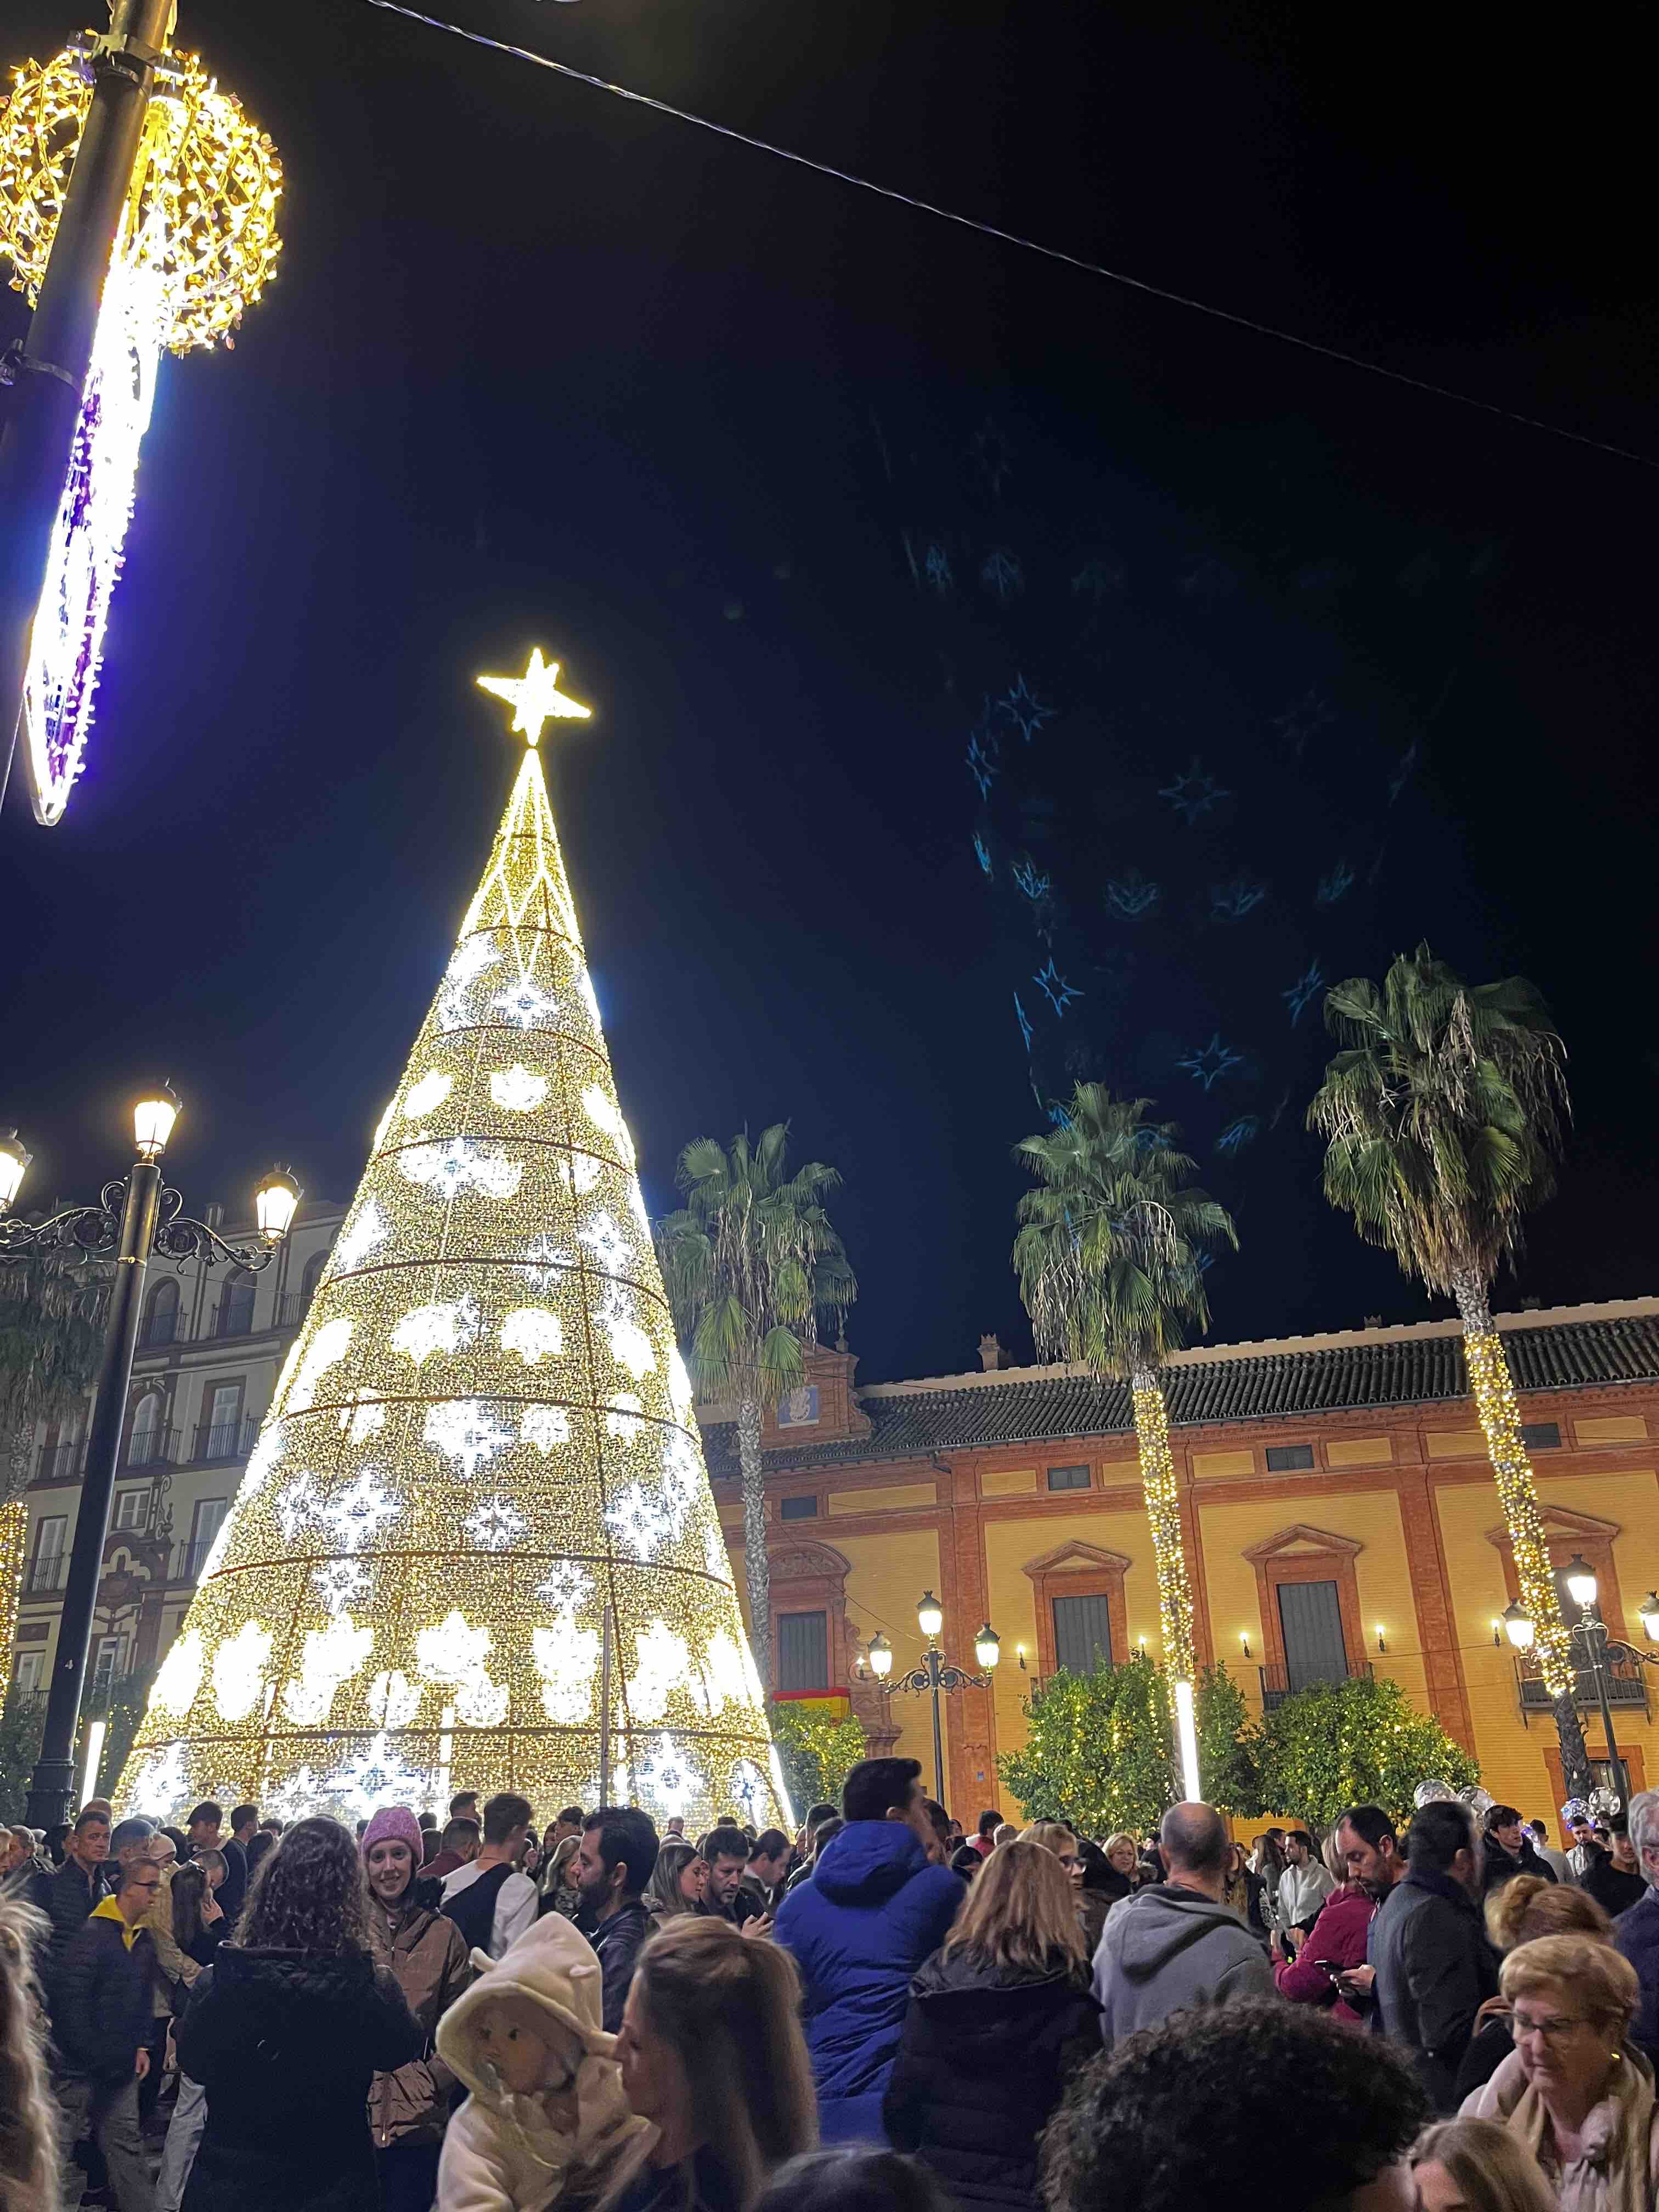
(1552, 2032)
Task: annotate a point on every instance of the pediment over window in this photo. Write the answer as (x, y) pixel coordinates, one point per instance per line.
(808, 1562)
(1299, 1539)
(1561, 1522)
(1079, 1558)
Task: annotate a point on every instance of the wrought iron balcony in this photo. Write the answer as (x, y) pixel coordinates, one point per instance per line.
(188, 1560)
(163, 1328)
(222, 1440)
(291, 1310)
(1627, 1686)
(46, 1573)
(60, 1462)
(157, 1447)
(1277, 1685)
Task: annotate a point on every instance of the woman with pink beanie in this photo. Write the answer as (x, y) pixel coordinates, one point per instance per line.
(427, 1954)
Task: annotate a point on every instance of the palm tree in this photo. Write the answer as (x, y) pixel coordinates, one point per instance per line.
(749, 1263)
(1109, 1257)
(1443, 1117)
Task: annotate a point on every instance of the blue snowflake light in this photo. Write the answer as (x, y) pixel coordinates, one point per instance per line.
(1208, 1063)
(1336, 885)
(1023, 708)
(1036, 887)
(1024, 1020)
(982, 764)
(1236, 1134)
(1054, 987)
(1131, 895)
(1000, 573)
(1194, 793)
(983, 854)
(1402, 774)
(1231, 902)
(937, 568)
(1306, 987)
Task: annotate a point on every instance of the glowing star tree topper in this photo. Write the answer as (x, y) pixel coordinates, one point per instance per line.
(481, 1458)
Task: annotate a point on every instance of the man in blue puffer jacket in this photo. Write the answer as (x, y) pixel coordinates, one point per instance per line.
(878, 1904)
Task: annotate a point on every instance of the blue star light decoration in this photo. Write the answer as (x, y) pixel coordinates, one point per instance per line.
(1208, 1063)
(1336, 885)
(1024, 1020)
(1054, 987)
(1131, 895)
(1236, 1134)
(1402, 774)
(1036, 887)
(1306, 987)
(1194, 793)
(1231, 902)
(1023, 708)
(983, 764)
(1000, 573)
(983, 854)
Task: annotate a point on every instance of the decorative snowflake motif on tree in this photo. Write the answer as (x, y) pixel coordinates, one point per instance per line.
(445, 1326)
(1306, 988)
(1054, 987)
(355, 1517)
(1024, 709)
(545, 1262)
(568, 1585)
(339, 1582)
(1208, 1063)
(377, 1776)
(638, 1522)
(469, 963)
(1231, 902)
(516, 1089)
(664, 1779)
(525, 1004)
(1304, 721)
(983, 854)
(461, 1165)
(682, 1476)
(534, 1334)
(624, 1417)
(749, 1790)
(496, 1525)
(1194, 793)
(1001, 574)
(1334, 886)
(369, 1229)
(1236, 1134)
(1131, 895)
(1024, 1021)
(982, 764)
(423, 1097)
(465, 1431)
(604, 1239)
(298, 1506)
(1027, 879)
(544, 1426)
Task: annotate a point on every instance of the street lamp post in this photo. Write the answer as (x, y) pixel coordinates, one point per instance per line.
(1595, 1647)
(936, 1674)
(134, 1217)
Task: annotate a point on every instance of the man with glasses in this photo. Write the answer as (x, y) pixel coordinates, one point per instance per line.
(101, 2018)
(1636, 1935)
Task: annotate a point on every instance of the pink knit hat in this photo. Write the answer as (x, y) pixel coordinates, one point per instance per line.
(394, 1824)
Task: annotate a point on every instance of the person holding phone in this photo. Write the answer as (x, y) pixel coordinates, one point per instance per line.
(1334, 1945)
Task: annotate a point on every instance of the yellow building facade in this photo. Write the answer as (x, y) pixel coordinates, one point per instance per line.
(1340, 1515)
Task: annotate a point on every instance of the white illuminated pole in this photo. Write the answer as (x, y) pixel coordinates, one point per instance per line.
(96, 1732)
(445, 1757)
(1187, 1738)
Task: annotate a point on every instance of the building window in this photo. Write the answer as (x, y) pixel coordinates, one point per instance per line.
(802, 1651)
(797, 1508)
(109, 1664)
(1285, 1459)
(26, 1676)
(204, 1528)
(1542, 1436)
(1310, 1616)
(1082, 1634)
(144, 1445)
(236, 1305)
(220, 1433)
(312, 1275)
(51, 1536)
(1068, 1478)
(131, 1511)
(161, 1315)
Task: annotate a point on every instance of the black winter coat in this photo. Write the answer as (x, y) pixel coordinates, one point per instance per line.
(101, 2004)
(66, 1897)
(1435, 1969)
(285, 2042)
(984, 2057)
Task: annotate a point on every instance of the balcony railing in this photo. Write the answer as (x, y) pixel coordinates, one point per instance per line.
(234, 1315)
(162, 1327)
(232, 1439)
(188, 1560)
(157, 1447)
(60, 1462)
(46, 1573)
(1276, 1684)
(1627, 1687)
(291, 1310)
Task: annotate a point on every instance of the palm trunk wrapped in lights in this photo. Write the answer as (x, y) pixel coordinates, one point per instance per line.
(1158, 1482)
(14, 1533)
(757, 1567)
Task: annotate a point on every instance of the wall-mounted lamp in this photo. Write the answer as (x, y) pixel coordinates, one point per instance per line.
(1244, 1638)
(1141, 1641)
(1020, 1650)
(1497, 1631)
(1380, 1645)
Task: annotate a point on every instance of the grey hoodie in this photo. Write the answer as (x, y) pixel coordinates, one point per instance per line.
(1165, 1948)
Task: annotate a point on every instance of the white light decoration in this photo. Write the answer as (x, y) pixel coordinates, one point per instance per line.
(496, 1525)
(482, 1453)
(749, 1788)
(461, 1165)
(160, 1784)
(465, 1433)
(425, 1096)
(239, 1671)
(546, 1427)
(535, 697)
(447, 1325)
(178, 1677)
(516, 1090)
(262, 1463)
(534, 1334)
(1187, 1738)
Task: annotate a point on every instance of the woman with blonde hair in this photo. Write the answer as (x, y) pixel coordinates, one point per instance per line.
(678, 1883)
(713, 2055)
(1475, 2165)
(1092, 1905)
(28, 2119)
(999, 2018)
(1123, 1860)
(1575, 2090)
(1525, 1908)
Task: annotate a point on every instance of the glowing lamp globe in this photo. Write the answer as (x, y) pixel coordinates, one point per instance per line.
(930, 1615)
(15, 1158)
(1580, 1578)
(1648, 1613)
(152, 1118)
(988, 1647)
(1518, 1627)
(276, 1202)
(881, 1656)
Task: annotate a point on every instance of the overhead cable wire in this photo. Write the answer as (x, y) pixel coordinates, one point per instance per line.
(1013, 238)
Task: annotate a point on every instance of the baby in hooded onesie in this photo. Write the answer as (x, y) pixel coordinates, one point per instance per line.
(546, 2117)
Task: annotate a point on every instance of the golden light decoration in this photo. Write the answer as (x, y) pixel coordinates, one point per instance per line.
(13, 1535)
(481, 1444)
(1493, 1390)
(202, 213)
(1174, 1596)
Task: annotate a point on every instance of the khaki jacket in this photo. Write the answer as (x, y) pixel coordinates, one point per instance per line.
(175, 1970)
(427, 1959)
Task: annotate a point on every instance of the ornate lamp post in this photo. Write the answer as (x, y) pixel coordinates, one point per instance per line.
(936, 1673)
(134, 1217)
(1593, 1648)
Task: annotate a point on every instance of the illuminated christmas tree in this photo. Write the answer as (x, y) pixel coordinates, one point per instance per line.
(481, 1458)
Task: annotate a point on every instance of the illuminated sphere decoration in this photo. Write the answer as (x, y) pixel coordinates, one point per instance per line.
(197, 244)
(482, 1442)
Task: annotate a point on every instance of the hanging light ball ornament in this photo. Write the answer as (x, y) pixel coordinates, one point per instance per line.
(1431, 1793)
(1479, 1800)
(1605, 1802)
(1574, 1809)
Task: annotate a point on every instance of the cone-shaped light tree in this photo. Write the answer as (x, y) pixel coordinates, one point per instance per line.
(481, 1465)
(1442, 1116)
(1108, 1256)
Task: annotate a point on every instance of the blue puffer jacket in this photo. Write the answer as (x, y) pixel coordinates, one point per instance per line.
(874, 1909)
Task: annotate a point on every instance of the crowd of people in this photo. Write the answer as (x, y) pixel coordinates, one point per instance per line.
(881, 2014)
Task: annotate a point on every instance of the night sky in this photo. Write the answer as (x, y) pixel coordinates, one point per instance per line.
(544, 368)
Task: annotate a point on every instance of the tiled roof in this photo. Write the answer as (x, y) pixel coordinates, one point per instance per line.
(1396, 1368)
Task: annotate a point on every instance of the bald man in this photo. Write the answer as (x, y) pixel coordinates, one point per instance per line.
(1175, 1943)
